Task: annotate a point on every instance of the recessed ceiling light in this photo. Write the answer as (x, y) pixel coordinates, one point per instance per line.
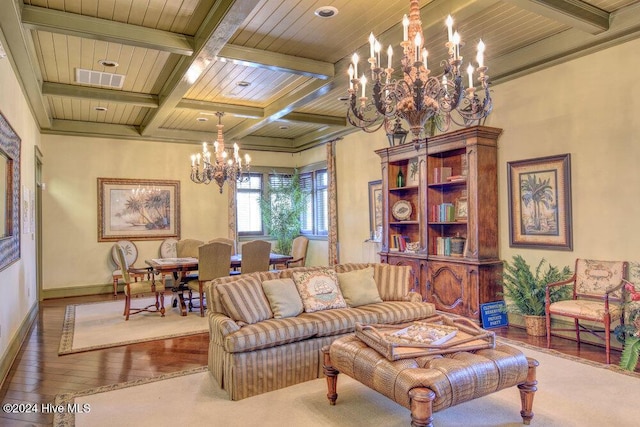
(100, 108)
(108, 63)
(343, 98)
(284, 127)
(243, 84)
(202, 119)
(326, 12)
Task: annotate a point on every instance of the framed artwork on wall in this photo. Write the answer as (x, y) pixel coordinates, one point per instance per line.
(540, 203)
(375, 209)
(138, 209)
(9, 194)
(413, 172)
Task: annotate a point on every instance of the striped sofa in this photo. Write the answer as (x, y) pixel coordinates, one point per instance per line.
(262, 353)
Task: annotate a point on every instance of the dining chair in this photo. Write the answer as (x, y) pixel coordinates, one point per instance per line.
(598, 298)
(132, 288)
(213, 262)
(168, 250)
(234, 251)
(227, 241)
(131, 255)
(299, 248)
(255, 256)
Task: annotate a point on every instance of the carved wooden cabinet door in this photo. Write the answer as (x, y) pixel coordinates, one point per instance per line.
(447, 287)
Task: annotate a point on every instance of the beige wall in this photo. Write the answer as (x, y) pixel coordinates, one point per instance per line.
(73, 257)
(586, 107)
(18, 281)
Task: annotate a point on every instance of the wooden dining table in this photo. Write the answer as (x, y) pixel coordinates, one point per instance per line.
(185, 265)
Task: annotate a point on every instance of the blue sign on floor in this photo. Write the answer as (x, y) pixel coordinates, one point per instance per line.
(493, 314)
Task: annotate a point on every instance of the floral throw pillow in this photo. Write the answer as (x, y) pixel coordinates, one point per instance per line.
(319, 290)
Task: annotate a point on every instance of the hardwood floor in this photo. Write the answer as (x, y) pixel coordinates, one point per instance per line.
(38, 374)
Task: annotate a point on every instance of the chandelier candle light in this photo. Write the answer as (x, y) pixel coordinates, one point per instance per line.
(223, 167)
(417, 96)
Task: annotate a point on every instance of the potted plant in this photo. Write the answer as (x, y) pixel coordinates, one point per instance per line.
(282, 211)
(525, 290)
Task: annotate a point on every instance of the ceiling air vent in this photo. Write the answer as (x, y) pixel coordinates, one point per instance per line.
(98, 78)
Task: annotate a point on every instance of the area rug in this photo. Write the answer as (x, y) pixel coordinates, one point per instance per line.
(569, 394)
(101, 325)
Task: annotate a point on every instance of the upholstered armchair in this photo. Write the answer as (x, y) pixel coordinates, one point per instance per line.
(298, 252)
(132, 288)
(213, 262)
(598, 296)
(131, 254)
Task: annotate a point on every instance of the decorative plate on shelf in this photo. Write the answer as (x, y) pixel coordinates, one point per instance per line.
(401, 210)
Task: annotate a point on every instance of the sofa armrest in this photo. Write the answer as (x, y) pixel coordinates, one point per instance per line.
(413, 297)
(220, 326)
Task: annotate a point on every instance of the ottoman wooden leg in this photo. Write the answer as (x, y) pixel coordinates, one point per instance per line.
(527, 391)
(332, 376)
(421, 399)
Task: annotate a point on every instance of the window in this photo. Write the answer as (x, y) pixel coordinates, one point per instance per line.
(315, 219)
(248, 198)
(250, 193)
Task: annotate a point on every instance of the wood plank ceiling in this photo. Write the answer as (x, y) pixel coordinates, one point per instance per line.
(275, 68)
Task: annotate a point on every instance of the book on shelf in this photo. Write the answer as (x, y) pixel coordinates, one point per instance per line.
(443, 246)
(398, 242)
(444, 212)
(456, 178)
(441, 174)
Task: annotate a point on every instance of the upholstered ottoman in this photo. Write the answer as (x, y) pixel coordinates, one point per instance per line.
(428, 384)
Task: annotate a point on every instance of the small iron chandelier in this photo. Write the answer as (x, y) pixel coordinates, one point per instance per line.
(417, 96)
(223, 167)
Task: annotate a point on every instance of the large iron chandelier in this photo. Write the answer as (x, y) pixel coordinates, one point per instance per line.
(418, 95)
(223, 167)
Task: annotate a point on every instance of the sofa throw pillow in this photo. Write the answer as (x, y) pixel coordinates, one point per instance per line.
(358, 287)
(319, 290)
(244, 300)
(283, 297)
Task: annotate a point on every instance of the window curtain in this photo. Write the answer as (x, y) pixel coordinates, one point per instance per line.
(332, 233)
(232, 212)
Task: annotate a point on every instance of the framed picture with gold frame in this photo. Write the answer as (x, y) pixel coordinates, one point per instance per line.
(138, 209)
(461, 209)
(375, 207)
(540, 203)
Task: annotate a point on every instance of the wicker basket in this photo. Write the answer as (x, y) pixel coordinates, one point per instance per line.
(536, 325)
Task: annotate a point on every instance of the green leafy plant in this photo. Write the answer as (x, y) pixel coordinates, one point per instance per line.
(282, 210)
(629, 333)
(526, 290)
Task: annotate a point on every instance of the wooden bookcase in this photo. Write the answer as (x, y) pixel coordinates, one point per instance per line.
(456, 275)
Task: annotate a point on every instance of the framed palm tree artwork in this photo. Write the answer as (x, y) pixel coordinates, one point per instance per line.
(138, 209)
(540, 203)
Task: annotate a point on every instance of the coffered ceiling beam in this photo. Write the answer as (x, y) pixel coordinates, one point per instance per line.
(311, 140)
(19, 48)
(315, 119)
(232, 109)
(217, 28)
(568, 45)
(88, 27)
(575, 13)
(283, 106)
(257, 58)
(99, 94)
(102, 130)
